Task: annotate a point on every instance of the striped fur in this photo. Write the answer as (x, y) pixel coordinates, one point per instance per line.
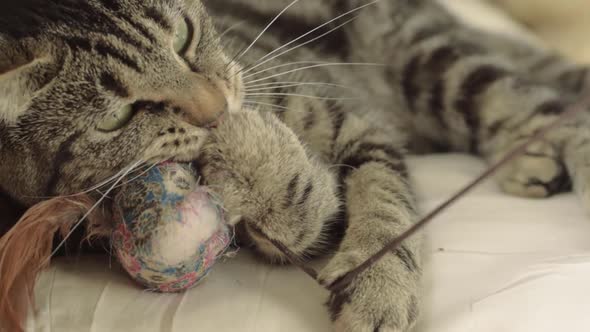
(312, 152)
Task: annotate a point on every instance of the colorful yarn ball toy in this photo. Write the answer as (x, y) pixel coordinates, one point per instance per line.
(168, 230)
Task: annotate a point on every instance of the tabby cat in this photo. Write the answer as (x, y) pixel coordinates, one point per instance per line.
(304, 142)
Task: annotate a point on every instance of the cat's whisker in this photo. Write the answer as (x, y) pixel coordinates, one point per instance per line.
(285, 65)
(233, 26)
(141, 174)
(316, 66)
(250, 102)
(256, 65)
(297, 95)
(241, 54)
(233, 61)
(229, 45)
(94, 188)
(109, 181)
(103, 194)
(341, 166)
(297, 84)
(98, 202)
(317, 28)
(272, 84)
(230, 64)
(105, 182)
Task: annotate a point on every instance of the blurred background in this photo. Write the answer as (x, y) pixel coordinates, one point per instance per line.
(563, 24)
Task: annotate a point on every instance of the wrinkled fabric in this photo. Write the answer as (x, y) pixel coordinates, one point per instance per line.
(494, 263)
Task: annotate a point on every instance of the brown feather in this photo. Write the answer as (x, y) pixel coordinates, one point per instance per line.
(25, 250)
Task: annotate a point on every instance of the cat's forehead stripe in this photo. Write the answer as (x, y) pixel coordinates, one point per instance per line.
(114, 85)
(159, 18)
(139, 28)
(107, 50)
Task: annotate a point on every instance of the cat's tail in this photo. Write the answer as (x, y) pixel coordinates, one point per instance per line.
(26, 250)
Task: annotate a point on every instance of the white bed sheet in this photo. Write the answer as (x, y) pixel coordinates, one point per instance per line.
(495, 263)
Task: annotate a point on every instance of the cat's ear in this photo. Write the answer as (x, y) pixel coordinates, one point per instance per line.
(20, 69)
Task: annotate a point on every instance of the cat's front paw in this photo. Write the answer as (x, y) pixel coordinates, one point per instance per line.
(247, 157)
(384, 298)
(263, 175)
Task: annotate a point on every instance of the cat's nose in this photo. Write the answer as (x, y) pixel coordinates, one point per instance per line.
(202, 104)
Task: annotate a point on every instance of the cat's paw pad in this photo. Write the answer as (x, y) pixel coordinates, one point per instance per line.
(538, 173)
(383, 298)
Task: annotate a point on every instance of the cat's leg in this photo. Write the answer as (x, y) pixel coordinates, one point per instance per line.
(266, 177)
(460, 92)
(536, 62)
(558, 72)
(263, 173)
(472, 92)
(386, 29)
(380, 206)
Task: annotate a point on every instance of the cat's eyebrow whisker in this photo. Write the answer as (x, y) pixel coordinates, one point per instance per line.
(296, 84)
(98, 202)
(257, 64)
(316, 66)
(241, 54)
(296, 95)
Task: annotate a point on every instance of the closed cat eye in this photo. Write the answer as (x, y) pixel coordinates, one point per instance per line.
(183, 36)
(116, 120)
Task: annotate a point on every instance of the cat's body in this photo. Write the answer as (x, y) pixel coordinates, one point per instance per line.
(317, 160)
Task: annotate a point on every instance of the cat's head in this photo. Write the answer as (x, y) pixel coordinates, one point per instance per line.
(88, 87)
